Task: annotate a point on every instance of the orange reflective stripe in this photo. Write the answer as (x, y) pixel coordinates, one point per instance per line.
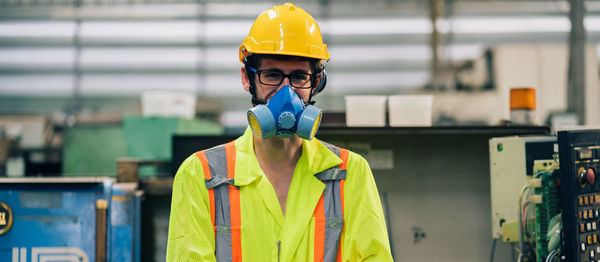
(344, 156)
(236, 238)
(207, 175)
(230, 152)
(319, 215)
(201, 155)
(234, 204)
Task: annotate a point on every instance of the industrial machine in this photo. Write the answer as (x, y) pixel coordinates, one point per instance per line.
(559, 203)
(580, 194)
(511, 166)
(69, 219)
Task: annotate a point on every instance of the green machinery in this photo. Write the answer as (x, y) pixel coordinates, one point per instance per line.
(538, 229)
(93, 150)
(548, 210)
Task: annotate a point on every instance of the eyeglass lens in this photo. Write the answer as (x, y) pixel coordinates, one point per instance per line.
(271, 77)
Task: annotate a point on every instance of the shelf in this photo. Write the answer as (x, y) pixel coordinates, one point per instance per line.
(435, 130)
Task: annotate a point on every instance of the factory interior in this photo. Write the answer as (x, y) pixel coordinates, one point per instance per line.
(479, 119)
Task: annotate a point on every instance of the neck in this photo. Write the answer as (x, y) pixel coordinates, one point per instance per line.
(278, 152)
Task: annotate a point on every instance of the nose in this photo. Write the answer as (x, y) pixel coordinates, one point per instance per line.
(285, 82)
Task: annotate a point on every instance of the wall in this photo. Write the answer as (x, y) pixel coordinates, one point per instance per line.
(544, 66)
(439, 183)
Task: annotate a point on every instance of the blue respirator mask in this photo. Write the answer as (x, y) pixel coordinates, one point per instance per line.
(284, 115)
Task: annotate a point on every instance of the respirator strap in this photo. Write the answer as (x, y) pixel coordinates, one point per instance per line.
(252, 87)
(317, 89)
(257, 101)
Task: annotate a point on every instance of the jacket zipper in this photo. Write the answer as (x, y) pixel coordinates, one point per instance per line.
(278, 250)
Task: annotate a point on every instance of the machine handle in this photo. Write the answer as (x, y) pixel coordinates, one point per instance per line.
(101, 210)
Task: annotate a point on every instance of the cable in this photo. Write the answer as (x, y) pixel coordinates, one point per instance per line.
(521, 246)
(553, 254)
(524, 217)
(493, 249)
(539, 173)
(524, 221)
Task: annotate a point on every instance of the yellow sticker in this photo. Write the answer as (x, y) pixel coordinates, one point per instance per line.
(6, 218)
(3, 219)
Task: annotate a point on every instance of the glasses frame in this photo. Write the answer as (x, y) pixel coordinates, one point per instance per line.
(284, 76)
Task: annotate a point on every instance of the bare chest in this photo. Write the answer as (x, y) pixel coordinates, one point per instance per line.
(281, 180)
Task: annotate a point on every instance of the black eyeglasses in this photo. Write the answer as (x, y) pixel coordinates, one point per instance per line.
(274, 77)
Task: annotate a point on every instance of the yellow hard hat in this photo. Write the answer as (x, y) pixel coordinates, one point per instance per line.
(285, 30)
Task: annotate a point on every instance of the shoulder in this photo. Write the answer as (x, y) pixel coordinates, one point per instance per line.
(189, 168)
(355, 162)
(189, 163)
(353, 158)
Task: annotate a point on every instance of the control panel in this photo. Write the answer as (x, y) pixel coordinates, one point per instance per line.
(579, 152)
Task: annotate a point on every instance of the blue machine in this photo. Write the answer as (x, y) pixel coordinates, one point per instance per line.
(69, 219)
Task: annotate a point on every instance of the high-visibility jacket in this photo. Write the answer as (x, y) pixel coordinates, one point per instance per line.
(259, 230)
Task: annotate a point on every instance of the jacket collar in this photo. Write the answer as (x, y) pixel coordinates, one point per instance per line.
(318, 156)
(314, 153)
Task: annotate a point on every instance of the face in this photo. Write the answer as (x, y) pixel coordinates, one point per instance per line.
(265, 92)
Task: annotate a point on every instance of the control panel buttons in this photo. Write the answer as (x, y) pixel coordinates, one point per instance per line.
(590, 213)
(581, 228)
(589, 240)
(586, 200)
(590, 176)
(581, 176)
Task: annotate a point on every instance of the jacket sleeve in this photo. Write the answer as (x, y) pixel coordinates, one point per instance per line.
(191, 235)
(365, 237)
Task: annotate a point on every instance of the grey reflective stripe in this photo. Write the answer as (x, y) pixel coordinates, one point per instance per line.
(217, 181)
(334, 219)
(222, 224)
(332, 198)
(333, 173)
(217, 162)
(336, 150)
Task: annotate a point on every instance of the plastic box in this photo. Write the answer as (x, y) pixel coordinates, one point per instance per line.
(365, 110)
(169, 104)
(410, 110)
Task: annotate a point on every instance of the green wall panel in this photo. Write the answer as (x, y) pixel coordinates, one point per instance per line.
(92, 150)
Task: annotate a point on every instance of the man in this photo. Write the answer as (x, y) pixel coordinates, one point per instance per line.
(275, 193)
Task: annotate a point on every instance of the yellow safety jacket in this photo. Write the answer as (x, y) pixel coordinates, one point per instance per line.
(264, 233)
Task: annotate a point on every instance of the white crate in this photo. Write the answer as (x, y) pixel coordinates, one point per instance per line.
(167, 103)
(365, 110)
(410, 110)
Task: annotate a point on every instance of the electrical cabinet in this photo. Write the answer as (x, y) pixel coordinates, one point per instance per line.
(69, 219)
(511, 165)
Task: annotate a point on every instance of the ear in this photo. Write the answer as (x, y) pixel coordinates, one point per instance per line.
(320, 83)
(245, 81)
(314, 90)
